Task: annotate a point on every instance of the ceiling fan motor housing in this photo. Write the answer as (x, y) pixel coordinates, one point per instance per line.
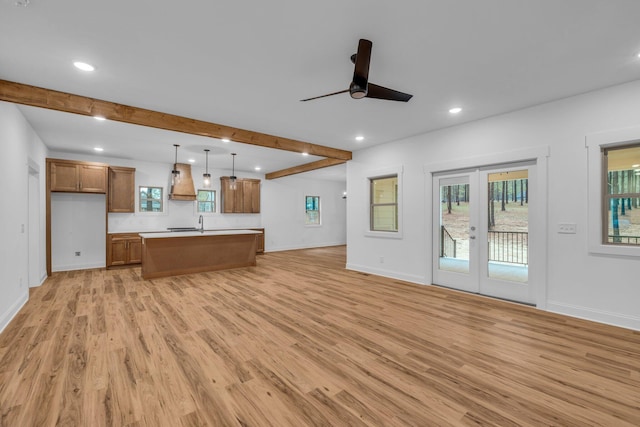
(358, 90)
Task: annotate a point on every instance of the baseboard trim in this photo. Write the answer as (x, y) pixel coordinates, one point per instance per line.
(601, 316)
(296, 247)
(387, 273)
(77, 267)
(8, 316)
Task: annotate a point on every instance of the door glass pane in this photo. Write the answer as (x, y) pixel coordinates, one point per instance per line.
(454, 228)
(508, 227)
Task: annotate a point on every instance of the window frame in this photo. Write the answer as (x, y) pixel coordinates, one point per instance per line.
(607, 197)
(215, 202)
(388, 172)
(373, 205)
(596, 181)
(161, 200)
(306, 213)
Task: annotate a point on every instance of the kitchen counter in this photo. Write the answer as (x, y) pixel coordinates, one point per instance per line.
(172, 234)
(173, 253)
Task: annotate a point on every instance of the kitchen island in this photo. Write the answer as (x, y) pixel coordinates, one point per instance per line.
(170, 254)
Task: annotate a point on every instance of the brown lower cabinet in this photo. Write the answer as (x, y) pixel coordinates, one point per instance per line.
(123, 249)
(259, 240)
(126, 248)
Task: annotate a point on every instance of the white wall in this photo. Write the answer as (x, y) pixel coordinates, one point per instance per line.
(20, 144)
(281, 211)
(283, 207)
(77, 225)
(600, 288)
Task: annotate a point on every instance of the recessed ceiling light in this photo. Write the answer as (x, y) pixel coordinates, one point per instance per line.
(455, 110)
(305, 154)
(191, 160)
(226, 140)
(98, 148)
(99, 118)
(359, 138)
(84, 66)
(257, 168)
(635, 166)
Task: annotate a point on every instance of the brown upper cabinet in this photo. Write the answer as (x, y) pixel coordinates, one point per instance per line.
(77, 177)
(122, 189)
(244, 199)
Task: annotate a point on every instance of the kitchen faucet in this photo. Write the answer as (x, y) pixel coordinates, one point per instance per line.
(201, 222)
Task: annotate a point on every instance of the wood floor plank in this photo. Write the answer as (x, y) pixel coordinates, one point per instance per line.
(298, 340)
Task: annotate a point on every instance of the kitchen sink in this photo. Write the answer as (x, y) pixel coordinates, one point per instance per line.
(183, 229)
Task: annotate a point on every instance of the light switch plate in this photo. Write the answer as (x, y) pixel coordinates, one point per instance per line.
(567, 228)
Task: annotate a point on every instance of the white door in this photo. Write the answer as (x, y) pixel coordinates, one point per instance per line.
(482, 239)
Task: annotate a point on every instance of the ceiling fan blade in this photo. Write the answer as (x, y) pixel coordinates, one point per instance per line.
(363, 58)
(379, 92)
(324, 96)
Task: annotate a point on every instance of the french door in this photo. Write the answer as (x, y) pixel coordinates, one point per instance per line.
(481, 230)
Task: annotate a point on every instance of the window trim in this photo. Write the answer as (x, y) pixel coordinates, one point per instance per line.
(595, 144)
(163, 204)
(319, 223)
(215, 202)
(376, 174)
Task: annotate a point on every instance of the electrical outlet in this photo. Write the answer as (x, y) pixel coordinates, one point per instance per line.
(381, 260)
(567, 228)
(78, 253)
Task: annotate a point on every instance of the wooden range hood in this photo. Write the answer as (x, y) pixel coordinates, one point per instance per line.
(184, 188)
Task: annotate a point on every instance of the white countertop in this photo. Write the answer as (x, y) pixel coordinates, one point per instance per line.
(196, 233)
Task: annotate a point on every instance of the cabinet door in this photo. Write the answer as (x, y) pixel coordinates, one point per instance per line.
(135, 250)
(247, 188)
(64, 177)
(255, 198)
(229, 196)
(93, 179)
(118, 249)
(122, 189)
(260, 241)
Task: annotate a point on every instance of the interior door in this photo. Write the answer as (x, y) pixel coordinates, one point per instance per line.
(482, 238)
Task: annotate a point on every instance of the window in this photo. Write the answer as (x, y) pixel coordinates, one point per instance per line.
(151, 199)
(606, 152)
(621, 195)
(206, 201)
(384, 203)
(312, 207)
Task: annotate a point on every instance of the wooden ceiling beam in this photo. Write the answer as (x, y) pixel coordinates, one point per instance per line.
(19, 93)
(304, 168)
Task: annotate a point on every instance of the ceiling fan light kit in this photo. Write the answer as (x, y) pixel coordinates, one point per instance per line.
(360, 86)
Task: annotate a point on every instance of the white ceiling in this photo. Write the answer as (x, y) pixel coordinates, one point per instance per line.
(247, 65)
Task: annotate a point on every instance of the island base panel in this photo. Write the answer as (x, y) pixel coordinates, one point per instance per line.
(183, 255)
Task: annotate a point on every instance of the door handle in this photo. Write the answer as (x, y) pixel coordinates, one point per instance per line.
(472, 237)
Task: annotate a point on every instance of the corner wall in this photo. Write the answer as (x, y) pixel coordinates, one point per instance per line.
(20, 147)
(283, 213)
(580, 284)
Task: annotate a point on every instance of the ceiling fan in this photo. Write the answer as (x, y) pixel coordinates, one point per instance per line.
(360, 86)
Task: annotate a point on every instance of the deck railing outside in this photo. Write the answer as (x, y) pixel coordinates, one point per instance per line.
(509, 246)
(447, 244)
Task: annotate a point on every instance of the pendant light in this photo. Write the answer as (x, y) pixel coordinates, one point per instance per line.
(233, 178)
(175, 173)
(206, 176)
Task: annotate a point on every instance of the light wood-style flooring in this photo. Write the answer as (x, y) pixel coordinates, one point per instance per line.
(300, 341)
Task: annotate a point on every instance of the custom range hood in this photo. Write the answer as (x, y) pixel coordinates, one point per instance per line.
(182, 187)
